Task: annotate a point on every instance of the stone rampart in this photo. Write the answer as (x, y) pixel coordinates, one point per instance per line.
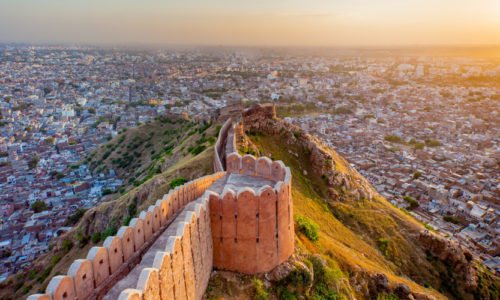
(247, 228)
(183, 269)
(220, 146)
(253, 231)
(90, 278)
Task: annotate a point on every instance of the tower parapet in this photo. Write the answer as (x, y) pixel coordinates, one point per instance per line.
(252, 227)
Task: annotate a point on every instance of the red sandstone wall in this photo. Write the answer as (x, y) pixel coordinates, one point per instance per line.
(104, 265)
(219, 146)
(248, 231)
(253, 231)
(183, 270)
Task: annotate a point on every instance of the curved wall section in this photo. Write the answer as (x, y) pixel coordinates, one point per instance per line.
(182, 270)
(248, 230)
(253, 231)
(92, 277)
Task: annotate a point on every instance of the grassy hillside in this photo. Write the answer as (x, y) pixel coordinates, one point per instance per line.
(364, 248)
(178, 149)
(371, 235)
(137, 154)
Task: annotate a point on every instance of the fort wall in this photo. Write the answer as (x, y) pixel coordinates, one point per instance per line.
(247, 228)
(183, 269)
(253, 230)
(220, 146)
(90, 278)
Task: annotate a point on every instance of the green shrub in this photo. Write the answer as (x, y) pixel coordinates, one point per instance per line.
(83, 240)
(411, 201)
(383, 245)
(285, 294)
(428, 227)
(26, 289)
(432, 143)
(217, 130)
(54, 260)
(384, 296)
(32, 274)
(108, 232)
(33, 162)
(39, 206)
(127, 220)
(106, 192)
(44, 275)
(394, 139)
(211, 140)
(132, 208)
(204, 127)
(343, 111)
(177, 182)
(248, 150)
(67, 245)
(96, 237)
(418, 146)
(452, 219)
(324, 280)
(308, 227)
(197, 150)
(298, 279)
(259, 290)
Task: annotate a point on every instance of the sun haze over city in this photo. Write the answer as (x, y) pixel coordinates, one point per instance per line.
(258, 22)
(249, 149)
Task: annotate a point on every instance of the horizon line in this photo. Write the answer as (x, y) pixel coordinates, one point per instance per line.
(231, 45)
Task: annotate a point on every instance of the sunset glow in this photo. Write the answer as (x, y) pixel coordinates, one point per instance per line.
(281, 22)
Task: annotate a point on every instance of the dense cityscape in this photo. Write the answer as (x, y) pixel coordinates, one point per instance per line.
(423, 130)
(427, 146)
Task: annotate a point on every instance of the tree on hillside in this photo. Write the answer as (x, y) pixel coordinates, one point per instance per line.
(33, 162)
(39, 206)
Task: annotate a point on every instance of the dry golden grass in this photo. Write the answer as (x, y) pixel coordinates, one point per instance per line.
(352, 239)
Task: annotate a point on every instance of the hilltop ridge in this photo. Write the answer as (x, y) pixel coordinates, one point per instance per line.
(239, 218)
(376, 249)
(173, 164)
(350, 242)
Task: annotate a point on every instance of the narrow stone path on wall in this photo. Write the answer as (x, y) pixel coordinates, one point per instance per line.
(239, 218)
(234, 182)
(130, 281)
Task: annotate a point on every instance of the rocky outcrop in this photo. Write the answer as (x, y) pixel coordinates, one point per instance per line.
(291, 267)
(324, 161)
(373, 285)
(454, 256)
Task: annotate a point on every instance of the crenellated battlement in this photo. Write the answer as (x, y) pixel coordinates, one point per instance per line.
(92, 277)
(240, 219)
(252, 231)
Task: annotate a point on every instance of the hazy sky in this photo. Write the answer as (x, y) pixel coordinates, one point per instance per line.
(252, 22)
